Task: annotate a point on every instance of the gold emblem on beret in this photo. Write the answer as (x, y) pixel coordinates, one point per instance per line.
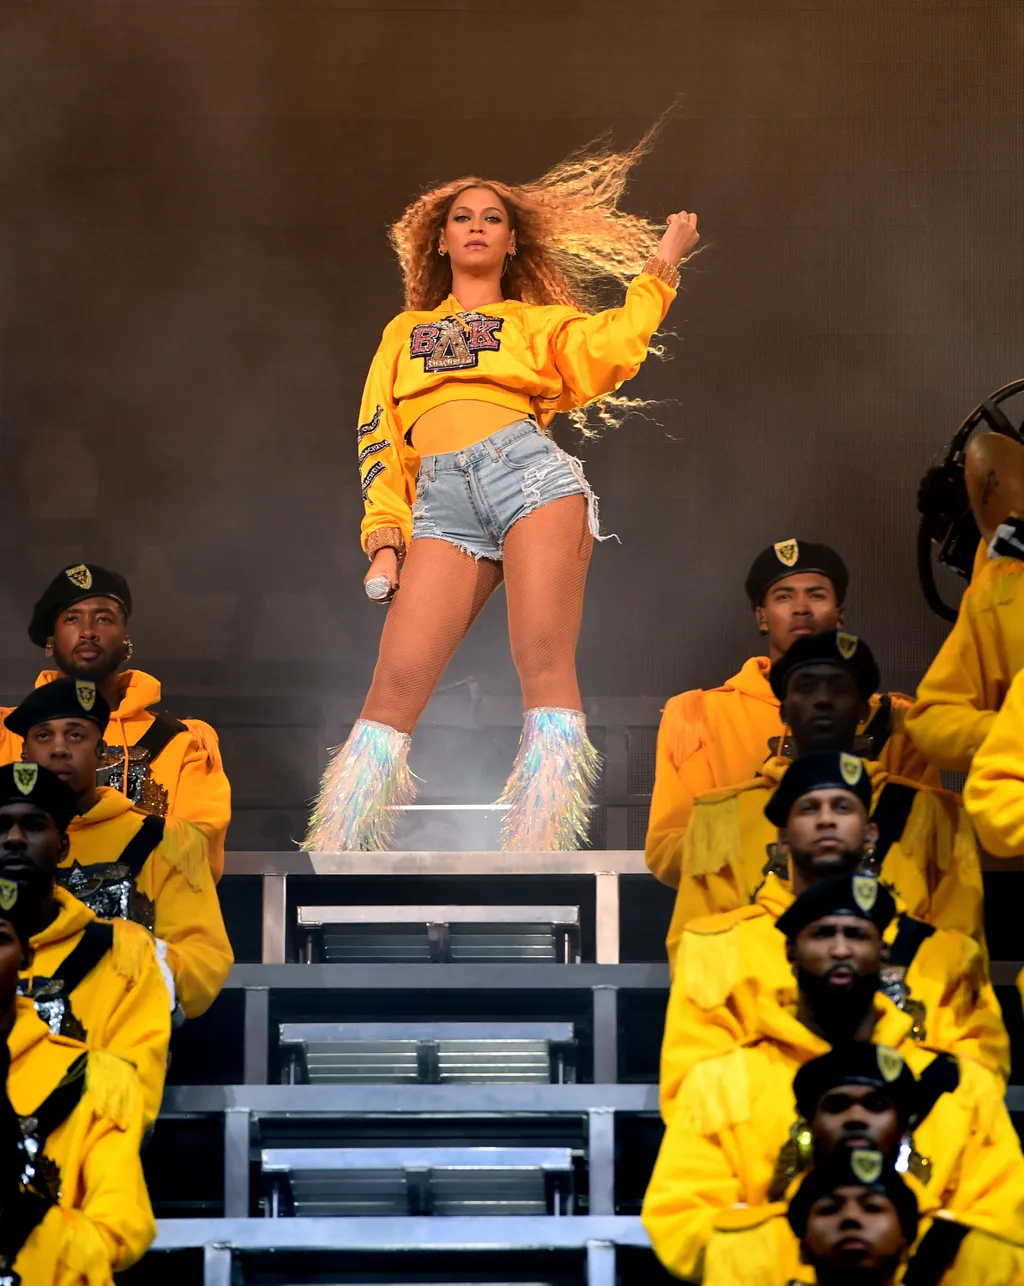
(8, 894)
(79, 575)
(890, 1062)
(787, 552)
(851, 767)
(865, 892)
(867, 1166)
(847, 644)
(25, 777)
(86, 693)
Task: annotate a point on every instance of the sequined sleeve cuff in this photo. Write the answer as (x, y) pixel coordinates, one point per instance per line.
(385, 538)
(664, 271)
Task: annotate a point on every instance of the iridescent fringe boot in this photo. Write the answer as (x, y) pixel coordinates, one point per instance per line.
(366, 781)
(549, 790)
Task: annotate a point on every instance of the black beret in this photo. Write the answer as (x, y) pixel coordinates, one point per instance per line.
(818, 771)
(857, 1062)
(857, 895)
(834, 647)
(854, 1168)
(61, 699)
(72, 585)
(32, 783)
(791, 558)
(20, 905)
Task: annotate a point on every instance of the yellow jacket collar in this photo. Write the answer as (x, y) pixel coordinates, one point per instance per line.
(752, 681)
(780, 1025)
(72, 917)
(111, 804)
(29, 1030)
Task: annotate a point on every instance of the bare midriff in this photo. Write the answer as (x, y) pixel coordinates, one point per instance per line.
(452, 426)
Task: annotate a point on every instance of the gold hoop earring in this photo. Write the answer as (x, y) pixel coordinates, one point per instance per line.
(441, 251)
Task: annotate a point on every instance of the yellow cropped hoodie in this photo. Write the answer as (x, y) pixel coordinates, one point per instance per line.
(709, 1208)
(176, 878)
(103, 1221)
(537, 359)
(189, 768)
(716, 738)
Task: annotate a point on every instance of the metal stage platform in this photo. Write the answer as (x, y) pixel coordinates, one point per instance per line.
(545, 1088)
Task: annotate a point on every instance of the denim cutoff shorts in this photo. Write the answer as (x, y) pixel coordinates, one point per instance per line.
(471, 498)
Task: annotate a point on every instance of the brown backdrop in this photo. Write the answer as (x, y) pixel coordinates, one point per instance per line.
(194, 277)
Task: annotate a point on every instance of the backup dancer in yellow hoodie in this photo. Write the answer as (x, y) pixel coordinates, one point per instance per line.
(463, 487)
(73, 1202)
(169, 767)
(712, 739)
(89, 980)
(123, 862)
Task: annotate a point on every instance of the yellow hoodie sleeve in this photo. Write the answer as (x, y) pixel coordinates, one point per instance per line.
(202, 792)
(692, 1183)
(387, 487)
(188, 916)
(989, 1190)
(994, 794)
(966, 683)
(899, 756)
(131, 996)
(682, 772)
(949, 976)
(595, 354)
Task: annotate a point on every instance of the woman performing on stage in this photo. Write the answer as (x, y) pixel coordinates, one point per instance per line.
(463, 489)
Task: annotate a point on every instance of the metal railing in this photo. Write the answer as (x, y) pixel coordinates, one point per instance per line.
(275, 869)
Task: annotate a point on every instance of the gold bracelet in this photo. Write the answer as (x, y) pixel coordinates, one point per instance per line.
(664, 271)
(385, 538)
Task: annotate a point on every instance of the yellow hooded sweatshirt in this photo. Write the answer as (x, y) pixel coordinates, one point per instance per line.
(708, 1209)
(103, 1222)
(536, 359)
(967, 682)
(712, 739)
(189, 768)
(176, 879)
(732, 974)
(934, 866)
(994, 794)
(122, 1002)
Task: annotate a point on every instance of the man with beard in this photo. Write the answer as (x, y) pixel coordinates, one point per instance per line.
(856, 1220)
(122, 861)
(732, 968)
(743, 1129)
(712, 739)
(91, 981)
(924, 848)
(169, 767)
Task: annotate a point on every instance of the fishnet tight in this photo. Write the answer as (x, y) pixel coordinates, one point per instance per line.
(443, 590)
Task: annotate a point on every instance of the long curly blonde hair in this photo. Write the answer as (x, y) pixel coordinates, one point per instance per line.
(570, 232)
